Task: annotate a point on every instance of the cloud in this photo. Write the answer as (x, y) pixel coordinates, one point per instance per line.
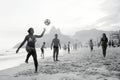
(111, 21)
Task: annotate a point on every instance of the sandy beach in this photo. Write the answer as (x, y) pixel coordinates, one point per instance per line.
(78, 65)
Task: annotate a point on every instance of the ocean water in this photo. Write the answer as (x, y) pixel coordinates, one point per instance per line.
(9, 59)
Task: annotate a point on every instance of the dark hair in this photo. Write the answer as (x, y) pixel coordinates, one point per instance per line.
(90, 39)
(43, 42)
(104, 35)
(30, 29)
(56, 34)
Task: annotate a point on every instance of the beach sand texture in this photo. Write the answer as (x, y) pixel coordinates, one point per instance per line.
(78, 65)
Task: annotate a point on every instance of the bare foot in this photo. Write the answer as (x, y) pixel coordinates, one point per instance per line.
(26, 62)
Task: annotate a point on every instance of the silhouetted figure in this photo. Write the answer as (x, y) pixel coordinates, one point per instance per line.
(112, 43)
(42, 50)
(30, 47)
(55, 45)
(91, 45)
(103, 43)
(68, 47)
(109, 43)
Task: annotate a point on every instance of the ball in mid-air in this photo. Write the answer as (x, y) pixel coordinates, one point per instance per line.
(47, 22)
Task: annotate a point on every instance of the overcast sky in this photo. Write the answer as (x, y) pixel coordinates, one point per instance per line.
(16, 16)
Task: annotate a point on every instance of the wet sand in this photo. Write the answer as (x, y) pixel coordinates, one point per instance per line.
(78, 65)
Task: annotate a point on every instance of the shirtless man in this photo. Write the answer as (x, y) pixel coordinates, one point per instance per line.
(55, 45)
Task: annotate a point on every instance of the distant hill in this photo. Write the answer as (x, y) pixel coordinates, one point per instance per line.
(86, 35)
(48, 38)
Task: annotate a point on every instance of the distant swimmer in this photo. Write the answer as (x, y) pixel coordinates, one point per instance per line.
(103, 42)
(91, 45)
(42, 50)
(55, 45)
(30, 47)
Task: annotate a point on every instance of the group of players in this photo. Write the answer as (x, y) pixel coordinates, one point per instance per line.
(55, 45)
(30, 47)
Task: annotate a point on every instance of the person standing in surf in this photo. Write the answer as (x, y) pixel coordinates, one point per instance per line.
(30, 47)
(91, 45)
(55, 45)
(42, 50)
(69, 47)
(103, 42)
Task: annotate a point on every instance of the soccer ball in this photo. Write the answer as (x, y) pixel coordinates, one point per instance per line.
(47, 22)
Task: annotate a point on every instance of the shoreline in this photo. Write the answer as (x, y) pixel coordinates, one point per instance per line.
(11, 59)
